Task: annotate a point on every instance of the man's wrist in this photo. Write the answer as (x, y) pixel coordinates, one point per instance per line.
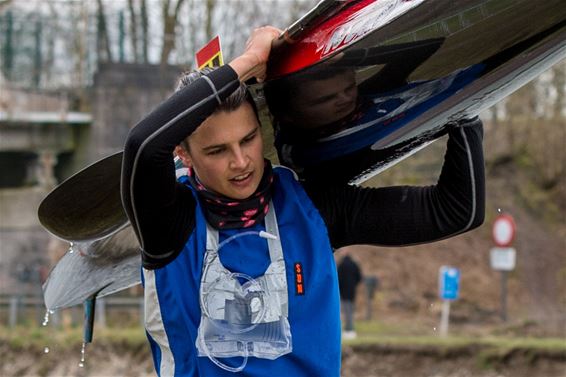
(244, 66)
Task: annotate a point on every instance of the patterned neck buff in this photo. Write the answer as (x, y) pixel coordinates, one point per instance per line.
(222, 212)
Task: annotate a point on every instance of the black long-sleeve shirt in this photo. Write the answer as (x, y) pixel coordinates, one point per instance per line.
(162, 211)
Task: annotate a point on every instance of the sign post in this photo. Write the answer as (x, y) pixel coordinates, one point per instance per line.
(449, 287)
(502, 257)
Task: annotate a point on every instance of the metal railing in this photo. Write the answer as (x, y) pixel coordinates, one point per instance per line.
(16, 310)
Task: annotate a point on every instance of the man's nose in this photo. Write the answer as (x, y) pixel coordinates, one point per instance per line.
(343, 97)
(239, 159)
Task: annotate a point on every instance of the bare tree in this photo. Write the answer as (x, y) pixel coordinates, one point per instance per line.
(145, 27)
(170, 17)
(559, 73)
(79, 44)
(133, 30)
(553, 148)
(210, 5)
(49, 56)
(103, 43)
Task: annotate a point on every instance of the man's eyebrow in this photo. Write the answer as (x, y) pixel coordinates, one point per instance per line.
(251, 132)
(215, 146)
(321, 99)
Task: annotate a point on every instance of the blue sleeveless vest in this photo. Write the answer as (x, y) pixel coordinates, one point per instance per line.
(172, 311)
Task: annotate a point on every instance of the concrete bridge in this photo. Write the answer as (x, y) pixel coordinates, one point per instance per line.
(45, 135)
(43, 141)
(35, 130)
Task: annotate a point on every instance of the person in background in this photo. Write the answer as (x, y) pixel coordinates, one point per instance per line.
(349, 276)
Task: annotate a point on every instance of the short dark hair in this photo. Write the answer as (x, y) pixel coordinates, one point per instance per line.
(234, 100)
(231, 103)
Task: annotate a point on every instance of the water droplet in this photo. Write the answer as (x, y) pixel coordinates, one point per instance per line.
(82, 363)
(71, 250)
(46, 318)
(46, 350)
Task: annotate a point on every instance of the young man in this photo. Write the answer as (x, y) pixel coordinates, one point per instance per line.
(238, 264)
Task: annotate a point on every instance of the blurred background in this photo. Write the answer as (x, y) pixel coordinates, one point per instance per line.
(75, 76)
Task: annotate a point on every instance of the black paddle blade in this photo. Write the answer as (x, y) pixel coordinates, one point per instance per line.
(87, 206)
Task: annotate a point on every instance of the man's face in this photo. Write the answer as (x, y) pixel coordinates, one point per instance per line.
(226, 153)
(323, 102)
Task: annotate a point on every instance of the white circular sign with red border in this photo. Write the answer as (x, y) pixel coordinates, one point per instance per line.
(503, 230)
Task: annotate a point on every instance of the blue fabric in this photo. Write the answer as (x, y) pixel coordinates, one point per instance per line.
(314, 316)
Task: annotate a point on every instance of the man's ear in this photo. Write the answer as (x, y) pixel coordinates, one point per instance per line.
(184, 156)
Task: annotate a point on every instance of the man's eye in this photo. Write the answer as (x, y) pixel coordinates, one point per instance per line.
(322, 100)
(249, 138)
(214, 152)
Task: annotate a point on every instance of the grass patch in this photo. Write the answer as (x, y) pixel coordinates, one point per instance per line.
(375, 332)
(369, 333)
(37, 338)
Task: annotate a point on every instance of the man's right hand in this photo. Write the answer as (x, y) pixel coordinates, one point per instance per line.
(253, 62)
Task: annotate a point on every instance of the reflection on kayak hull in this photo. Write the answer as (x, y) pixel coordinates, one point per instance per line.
(415, 69)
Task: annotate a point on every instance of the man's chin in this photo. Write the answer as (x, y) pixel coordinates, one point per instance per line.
(241, 194)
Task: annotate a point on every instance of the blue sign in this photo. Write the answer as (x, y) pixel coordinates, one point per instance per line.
(449, 282)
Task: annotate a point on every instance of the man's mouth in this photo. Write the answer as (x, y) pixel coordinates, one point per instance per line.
(241, 177)
(346, 107)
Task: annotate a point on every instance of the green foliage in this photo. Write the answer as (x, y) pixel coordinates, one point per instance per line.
(35, 339)
(370, 332)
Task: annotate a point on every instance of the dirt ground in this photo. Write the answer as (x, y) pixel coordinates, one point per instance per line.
(466, 361)
(374, 360)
